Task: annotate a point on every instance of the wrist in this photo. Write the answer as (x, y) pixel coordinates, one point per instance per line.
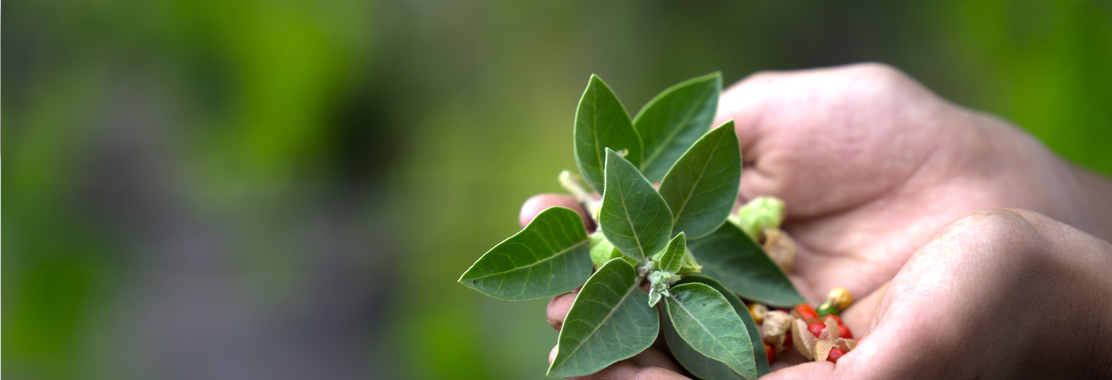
(1019, 171)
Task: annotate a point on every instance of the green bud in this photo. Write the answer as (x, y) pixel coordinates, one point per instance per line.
(659, 282)
(689, 263)
(757, 214)
(602, 251)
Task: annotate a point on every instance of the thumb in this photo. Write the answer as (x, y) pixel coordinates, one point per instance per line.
(810, 371)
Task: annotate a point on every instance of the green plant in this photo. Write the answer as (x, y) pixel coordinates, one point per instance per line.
(647, 235)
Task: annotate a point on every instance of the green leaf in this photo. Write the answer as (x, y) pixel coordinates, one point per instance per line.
(633, 217)
(672, 259)
(705, 367)
(548, 257)
(602, 122)
(670, 122)
(704, 318)
(730, 256)
(702, 187)
(609, 321)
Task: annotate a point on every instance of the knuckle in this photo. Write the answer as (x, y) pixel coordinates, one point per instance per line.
(879, 70)
(761, 77)
(879, 80)
(996, 230)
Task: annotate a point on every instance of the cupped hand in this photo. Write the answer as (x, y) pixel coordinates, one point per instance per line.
(997, 294)
(871, 164)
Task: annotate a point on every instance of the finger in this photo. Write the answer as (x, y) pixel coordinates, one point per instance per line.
(650, 364)
(745, 103)
(825, 140)
(787, 358)
(654, 357)
(558, 308)
(541, 202)
(626, 370)
(812, 370)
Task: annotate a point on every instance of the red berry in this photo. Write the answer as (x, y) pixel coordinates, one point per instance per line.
(834, 354)
(806, 311)
(838, 319)
(788, 339)
(816, 328)
(770, 352)
(843, 332)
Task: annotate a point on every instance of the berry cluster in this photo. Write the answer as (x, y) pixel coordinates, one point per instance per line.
(818, 335)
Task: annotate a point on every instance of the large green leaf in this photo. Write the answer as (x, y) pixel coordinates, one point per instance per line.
(702, 187)
(670, 122)
(602, 122)
(701, 365)
(548, 257)
(730, 256)
(633, 216)
(609, 321)
(704, 318)
(672, 259)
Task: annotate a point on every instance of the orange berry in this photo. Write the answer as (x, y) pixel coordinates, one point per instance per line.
(807, 311)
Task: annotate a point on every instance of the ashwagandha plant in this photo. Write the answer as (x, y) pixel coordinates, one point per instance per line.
(675, 239)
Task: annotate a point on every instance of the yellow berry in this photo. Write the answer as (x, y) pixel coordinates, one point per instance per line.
(839, 297)
(758, 312)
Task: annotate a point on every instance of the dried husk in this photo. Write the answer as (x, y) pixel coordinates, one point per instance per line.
(774, 330)
(802, 339)
(831, 331)
(846, 345)
(822, 349)
(779, 246)
(829, 340)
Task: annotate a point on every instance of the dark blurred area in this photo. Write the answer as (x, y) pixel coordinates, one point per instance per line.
(253, 189)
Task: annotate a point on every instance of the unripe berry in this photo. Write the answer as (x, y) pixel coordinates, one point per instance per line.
(827, 308)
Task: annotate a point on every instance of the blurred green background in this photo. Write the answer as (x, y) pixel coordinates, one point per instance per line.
(254, 189)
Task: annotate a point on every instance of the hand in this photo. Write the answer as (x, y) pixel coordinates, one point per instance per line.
(871, 164)
(997, 294)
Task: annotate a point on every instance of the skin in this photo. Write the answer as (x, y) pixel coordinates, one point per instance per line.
(883, 182)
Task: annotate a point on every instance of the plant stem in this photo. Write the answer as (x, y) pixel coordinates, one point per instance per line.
(591, 201)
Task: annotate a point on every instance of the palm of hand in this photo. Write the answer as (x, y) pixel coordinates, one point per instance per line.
(856, 155)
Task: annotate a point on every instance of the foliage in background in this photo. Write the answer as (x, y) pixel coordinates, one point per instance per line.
(211, 189)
